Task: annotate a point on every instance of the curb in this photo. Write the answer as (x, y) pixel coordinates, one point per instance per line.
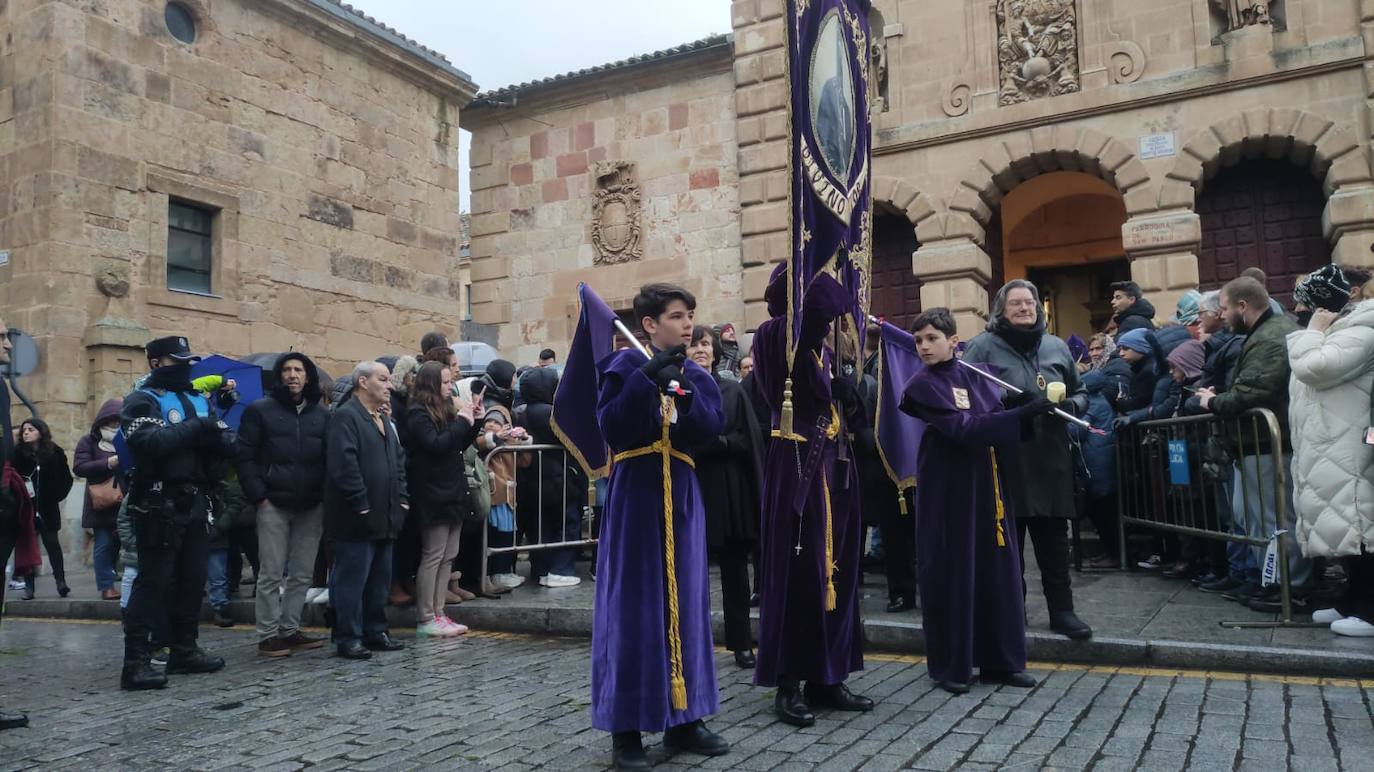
(880, 635)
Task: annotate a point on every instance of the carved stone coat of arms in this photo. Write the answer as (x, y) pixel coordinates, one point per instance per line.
(616, 230)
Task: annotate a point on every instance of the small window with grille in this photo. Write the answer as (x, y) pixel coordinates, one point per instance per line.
(190, 247)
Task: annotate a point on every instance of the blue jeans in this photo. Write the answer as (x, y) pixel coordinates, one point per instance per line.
(217, 576)
(103, 554)
(126, 586)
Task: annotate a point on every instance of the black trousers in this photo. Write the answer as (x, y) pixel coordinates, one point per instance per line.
(733, 557)
(1358, 599)
(53, 545)
(165, 603)
(1102, 511)
(1050, 538)
(243, 542)
(358, 588)
(899, 544)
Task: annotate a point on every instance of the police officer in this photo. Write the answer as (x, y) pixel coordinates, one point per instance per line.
(180, 448)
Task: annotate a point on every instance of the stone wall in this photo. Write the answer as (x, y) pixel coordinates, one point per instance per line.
(534, 182)
(330, 156)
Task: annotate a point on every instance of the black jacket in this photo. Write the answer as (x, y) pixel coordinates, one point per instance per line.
(281, 446)
(192, 451)
(1221, 351)
(51, 479)
(365, 476)
(558, 475)
(1140, 316)
(730, 472)
(434, 466)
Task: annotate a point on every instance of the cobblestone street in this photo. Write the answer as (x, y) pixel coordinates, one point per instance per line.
(518, 702)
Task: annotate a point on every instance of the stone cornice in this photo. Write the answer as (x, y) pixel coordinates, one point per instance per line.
(377, 44)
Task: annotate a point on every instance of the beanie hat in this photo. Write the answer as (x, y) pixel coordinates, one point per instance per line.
(1325, 288)
(1188, 357)
(1189, 306)
(1135, 340)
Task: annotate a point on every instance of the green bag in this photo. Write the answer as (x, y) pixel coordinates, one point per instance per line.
(479, 485)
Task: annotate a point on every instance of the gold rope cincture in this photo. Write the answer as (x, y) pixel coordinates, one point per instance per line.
(677, 683)
(997, 494)
(830, 595)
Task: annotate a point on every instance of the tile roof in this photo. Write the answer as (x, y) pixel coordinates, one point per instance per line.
(712, 41)
(388, 34)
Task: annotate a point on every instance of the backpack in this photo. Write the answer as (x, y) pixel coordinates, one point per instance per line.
(479, 485)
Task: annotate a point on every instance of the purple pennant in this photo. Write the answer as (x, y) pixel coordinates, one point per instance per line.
(574, 403)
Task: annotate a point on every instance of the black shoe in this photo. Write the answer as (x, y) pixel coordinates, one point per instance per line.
(1020, 679)
(13, 720)
(627, 752)
(791, 708)
(900, 603)
(222, 618)
(1223, 584)
(745, 659)
(193, 661)
(383, 642)
(694, 737)
(754, 600)
(1268, 602)
(62, 589)
(140, 676)
(1067, 624)
(953, 687)
(1183, 569)
(1242, 593)
(353, 650)
(836, 697)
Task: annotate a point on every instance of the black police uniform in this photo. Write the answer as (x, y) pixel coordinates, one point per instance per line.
(180, 449)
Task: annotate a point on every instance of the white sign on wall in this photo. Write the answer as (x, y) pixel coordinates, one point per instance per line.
(4, 257)
(1157, 146)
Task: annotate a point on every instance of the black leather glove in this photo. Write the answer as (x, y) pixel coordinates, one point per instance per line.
(1013, 401)
(667, 375)
(674, 356)
(225, 400)
(1037, 405)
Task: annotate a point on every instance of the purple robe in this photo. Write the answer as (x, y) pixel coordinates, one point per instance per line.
(972, 605)
(798, 638)
(630, 663)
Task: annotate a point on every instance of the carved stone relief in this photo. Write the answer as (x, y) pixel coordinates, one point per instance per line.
(616, 213)
(1243, 13)
(1037, 49)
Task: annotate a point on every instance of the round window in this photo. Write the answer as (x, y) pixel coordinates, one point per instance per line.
(180, 22)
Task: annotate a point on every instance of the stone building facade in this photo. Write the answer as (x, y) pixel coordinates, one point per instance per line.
(260, 176)
(1175, 142)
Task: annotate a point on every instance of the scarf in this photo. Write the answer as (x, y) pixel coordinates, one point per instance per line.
(1026, 340)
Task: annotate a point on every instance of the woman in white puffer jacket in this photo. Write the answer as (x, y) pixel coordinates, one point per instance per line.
(1333, 468)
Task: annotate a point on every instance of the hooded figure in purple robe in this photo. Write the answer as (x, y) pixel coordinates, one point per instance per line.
(642, 601)
(811, 532)
(968, 565)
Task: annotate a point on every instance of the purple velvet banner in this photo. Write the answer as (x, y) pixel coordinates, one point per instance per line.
(574, 403)
(830, 166)
(898, 435)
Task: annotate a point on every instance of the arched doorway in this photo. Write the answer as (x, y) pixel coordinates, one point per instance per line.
(895, 290)
(1266, 214)
(1062, 231)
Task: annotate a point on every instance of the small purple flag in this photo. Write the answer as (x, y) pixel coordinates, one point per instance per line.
(898, 435)
(1078, 348)
(574, 402)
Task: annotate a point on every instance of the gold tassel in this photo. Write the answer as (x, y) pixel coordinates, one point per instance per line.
(997, 494)
(901, 503)
(676, 681)
(831, 597)
(591, 495)
(785, 415)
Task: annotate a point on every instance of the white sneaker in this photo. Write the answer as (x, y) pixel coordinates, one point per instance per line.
(1353, 627)
(17, 584)
(1325, 616)
(558, 580)
(509, 581)
(431, 629)
(321, 596)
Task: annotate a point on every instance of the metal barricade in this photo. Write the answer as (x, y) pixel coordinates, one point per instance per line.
(533, 458)
(1174, 475)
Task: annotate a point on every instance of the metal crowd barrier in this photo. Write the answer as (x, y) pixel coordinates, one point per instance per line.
(536, 468)
(1172, 473)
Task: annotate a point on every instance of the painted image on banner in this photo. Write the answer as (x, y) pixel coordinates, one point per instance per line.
(831, 86)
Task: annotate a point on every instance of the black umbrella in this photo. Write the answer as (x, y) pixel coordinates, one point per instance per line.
(268, 363)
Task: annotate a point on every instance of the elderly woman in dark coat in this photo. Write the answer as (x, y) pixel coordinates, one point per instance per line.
(730, 470)
(1040, 473)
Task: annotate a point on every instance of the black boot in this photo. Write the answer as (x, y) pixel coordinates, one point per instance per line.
(627, 752)
(138, 673)
(836, 697)
(28, 587)
(790, 706)
(1067, 624)
(62, 589)
(193, 660)
(694, 737)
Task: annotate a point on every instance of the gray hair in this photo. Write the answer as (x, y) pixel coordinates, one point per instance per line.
(405, 365)
(999, 302)
(364, 370)
(1210, 302)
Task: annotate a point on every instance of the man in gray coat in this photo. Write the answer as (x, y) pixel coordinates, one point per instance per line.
(1039, 473)
(365, 499)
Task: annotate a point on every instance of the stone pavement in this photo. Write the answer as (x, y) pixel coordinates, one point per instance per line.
(520, 702)
(1139, 619)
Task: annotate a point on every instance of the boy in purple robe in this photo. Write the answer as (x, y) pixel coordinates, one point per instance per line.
(968, 566)
(653, 662)
(811, 532)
